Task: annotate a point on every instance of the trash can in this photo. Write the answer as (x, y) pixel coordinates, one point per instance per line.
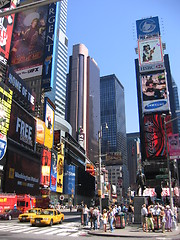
(120, 221)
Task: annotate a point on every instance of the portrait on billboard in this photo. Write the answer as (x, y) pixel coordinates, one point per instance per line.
(154, 92)
(53, 178)
(29, 38)
(154, 135)
(150, 51)
(45, 167)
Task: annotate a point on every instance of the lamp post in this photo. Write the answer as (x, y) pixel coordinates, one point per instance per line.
(168, 161)
(100, 184)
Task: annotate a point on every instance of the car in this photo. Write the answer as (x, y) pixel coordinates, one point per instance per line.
(25, 217)
(9, 214)
(47, 217)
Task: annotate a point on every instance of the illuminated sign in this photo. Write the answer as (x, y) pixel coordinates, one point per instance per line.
(154, 92)
(40, 131)
(3, 145)
(150, 51)
(49, 124)
(147, 27)
(60, 171)
(53, 177)
(69, 179)
(5, 107)
(45, 168)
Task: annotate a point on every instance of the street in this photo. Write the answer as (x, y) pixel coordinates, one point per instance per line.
(70, 228)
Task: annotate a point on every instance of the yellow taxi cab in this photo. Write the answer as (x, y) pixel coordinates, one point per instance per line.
(47, 217)
(25, 217)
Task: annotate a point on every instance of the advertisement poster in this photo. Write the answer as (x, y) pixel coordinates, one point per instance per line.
(174, 146)
(150, 51)
(6, 28)
(154, 135)
(53, 179)
(45, 168)
(40, 131)
(69, 179)
(49, 124)
(27, 47)
(60, 171)
(154, 92)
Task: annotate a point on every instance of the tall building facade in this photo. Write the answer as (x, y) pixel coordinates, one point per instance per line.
(112, 105)
(58, 92)
(176, 102)
(83, 99)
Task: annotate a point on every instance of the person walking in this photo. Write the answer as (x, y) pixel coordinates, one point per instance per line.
(85, 214)
(150, 219)
(144, 213)
(111, 219)
(95, 217)
(169, 216)
(105, 218)
(163, 219)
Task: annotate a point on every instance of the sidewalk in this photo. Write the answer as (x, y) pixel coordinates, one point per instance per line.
(134, 230)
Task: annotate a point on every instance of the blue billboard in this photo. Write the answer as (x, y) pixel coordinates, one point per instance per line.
(69, 179)
(148, 27)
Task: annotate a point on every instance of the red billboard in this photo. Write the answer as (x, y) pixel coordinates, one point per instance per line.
(6, 28)
(45, 167)
(154, 135)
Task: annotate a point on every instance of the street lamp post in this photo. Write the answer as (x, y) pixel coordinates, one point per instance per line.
(100, 184)
(168, 163)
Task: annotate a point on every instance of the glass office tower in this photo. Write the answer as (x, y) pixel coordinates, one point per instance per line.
(112, 105)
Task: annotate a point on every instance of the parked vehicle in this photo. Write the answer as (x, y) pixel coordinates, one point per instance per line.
(7, 201)
(47, 217)
(9, 214)
(25, 217)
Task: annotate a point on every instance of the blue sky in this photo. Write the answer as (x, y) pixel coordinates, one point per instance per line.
(108, 29)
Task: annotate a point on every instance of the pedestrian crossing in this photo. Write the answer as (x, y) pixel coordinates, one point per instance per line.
(65, 229)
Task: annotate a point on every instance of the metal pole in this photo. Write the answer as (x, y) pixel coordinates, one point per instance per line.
(100, 185)
(168, 165)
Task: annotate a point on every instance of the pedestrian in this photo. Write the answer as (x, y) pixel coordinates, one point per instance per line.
(144, 213)
(111, 219)
(163, 219)
(95, 217)
(85, 214)
(105, 218)
(91, 216)
(150, 219)
(169, 216)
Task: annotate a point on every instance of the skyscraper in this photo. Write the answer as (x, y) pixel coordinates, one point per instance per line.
(112, 105)
(83, 99)
(59, 70)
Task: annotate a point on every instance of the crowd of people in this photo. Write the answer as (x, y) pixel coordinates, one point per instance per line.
(163, 214)
(108, 215)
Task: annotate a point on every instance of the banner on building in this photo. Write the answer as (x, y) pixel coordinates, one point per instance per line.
(174, 145)
(69, 179)
(150, 51)
(154, 92)
(154, 135)
(45, 167)
(40, 131)
(53, 178)
(147, 27)
(60, 172)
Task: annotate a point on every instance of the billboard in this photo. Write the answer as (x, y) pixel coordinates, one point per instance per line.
(69, 179)
(6, 28)
(45, 167)
(150, 51)
(50, 49)
(53, 178)
(154, 92)
(49, 123)
(154, 135)
(22, 127)
(148, 27)
(60, 171)
(174, 146)
(22, 174)
(20, 89)
(40, 131)
(28, 41)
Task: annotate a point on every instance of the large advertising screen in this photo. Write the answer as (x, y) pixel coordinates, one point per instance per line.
(53, 178)
(6, 28)
(69, 179)
(154, 135)
(60, 172)
(22, 175)
(40, 131)
(154, 92)
(28, 41)
(45, 167)
(150, 51)
(148, 26)
(22, 127)
(49, 124)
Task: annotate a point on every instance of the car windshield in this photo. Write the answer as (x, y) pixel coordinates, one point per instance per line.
(32, 211)
(47, 212)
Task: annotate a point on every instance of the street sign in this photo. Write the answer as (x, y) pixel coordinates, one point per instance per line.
(5, 3)
(61, 197)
